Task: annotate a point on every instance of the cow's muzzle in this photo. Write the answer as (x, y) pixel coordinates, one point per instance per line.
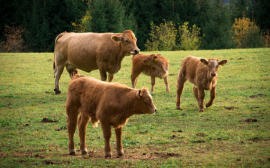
(213, 74)
(135, 52)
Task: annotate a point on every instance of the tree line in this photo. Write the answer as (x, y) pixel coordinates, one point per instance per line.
(159, 25)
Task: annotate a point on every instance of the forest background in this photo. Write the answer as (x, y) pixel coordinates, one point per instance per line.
(31, 26)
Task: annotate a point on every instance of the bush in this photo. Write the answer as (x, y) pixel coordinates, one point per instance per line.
(247, 34)
(14, 40)
(162, 37)
(189, 37)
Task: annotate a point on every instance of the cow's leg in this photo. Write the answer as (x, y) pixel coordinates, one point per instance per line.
(134, 78)
(119, 146)
(57, 74)
(153, 81)
(72, 116)
(196, 94)
(103, 75)
(82, 125)
(107, 132)
(201, 96)
(212, 96)
(110, 77)
(180, 86)
(71, 70)
(167, 84)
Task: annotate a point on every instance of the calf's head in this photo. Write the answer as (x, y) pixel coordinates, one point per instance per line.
(159, 62)
(144, 103)
(128, 42)
(212, 65)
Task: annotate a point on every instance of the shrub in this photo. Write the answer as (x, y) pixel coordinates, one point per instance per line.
(14, 40)
(247, 34)
(162, 37)
(189, 37)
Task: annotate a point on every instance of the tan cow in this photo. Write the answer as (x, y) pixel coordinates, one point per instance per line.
(203, 74)
(151, 65)
(91, 51)
(110, 103)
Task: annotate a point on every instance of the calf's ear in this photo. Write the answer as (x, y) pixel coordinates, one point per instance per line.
(155, 58)
(222, 63)
(138, 93)
(204, 61)
(117, 37)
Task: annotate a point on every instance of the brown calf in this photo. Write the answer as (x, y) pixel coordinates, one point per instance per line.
(151, 65)
(203, 74)
(110, 103)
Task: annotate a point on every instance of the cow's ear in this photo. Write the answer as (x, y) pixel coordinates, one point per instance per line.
(204, 61)
(138, 93)
(155, 58)
(222, 63)
(159, 55)
(117, 38)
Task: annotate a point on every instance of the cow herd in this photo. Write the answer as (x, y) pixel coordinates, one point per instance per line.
(112, 104)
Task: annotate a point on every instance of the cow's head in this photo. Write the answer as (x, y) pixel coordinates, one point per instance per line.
(144, 102)
(157, 61)
(128, 42)
(212, 65)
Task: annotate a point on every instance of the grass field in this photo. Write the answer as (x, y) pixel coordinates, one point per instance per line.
(234, 132)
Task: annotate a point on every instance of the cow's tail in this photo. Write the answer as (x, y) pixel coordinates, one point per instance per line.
(56, 39)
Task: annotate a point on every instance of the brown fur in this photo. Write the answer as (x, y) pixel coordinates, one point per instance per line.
(203, 74)
(110, 103)
(91, 51)
(151, 65)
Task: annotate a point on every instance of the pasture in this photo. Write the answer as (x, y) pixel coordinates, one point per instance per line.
(233, 132)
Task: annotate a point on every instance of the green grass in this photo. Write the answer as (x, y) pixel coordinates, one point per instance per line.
(218, 137)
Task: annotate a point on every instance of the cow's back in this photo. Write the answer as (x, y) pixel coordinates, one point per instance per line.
(189, 68)
(84, 50)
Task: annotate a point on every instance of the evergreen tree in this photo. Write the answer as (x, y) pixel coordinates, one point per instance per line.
(217, 29)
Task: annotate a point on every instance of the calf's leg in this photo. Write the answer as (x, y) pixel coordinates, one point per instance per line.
(153, 81)
(82, 125)
(212, 96)
(167, 84)
(119, 146)
(201, 96)
(72, 116)
(134, 78)
(110, 77)
(196, 94)
(180, 86)
(107, 132)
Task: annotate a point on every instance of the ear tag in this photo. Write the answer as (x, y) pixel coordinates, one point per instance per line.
(203, 63)
(222, 64)
(155, 59)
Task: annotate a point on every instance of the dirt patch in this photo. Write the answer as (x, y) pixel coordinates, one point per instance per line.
(178, 131)
(46, 120)
(257, 139)
(201, 134)
(172, 74)
(240, 58)
(62, 128)
(231, 108)
(50, 162)
(253, 108)
(258, 95)
(249, 120)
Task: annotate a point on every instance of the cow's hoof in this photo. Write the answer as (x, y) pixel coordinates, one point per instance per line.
(84, 152)
(120, 155)
(108, 156)
(208, 105)
(57, 91)
(179, 108)
(72, 153)
(201, 110)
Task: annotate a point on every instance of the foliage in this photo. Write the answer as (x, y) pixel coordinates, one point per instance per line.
(84, 25)
(246, 33)
(110, 16)
(217, 26)
(189, 37)
(219, 137)
(267, 38)
(14, 40)
(162, 37)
